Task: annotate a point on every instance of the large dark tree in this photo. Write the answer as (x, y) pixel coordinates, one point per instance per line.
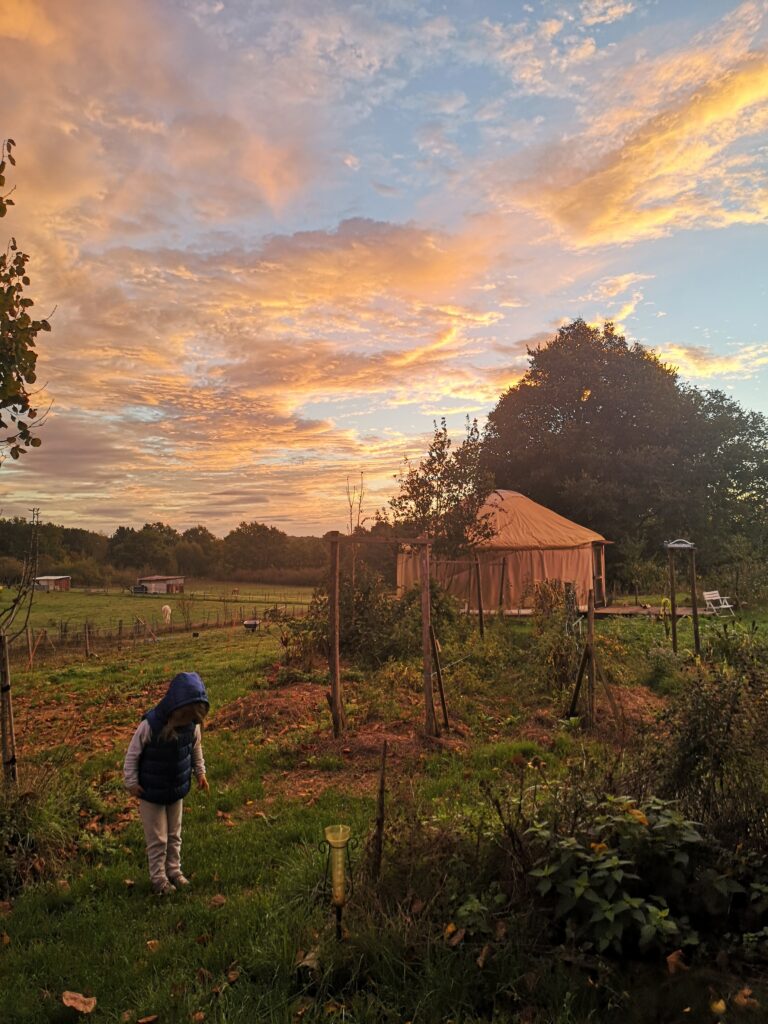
(605, 433)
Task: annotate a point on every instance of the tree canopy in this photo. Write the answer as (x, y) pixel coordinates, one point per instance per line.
(442, 495)
(605, 433)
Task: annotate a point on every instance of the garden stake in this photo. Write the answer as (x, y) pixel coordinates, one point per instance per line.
(439, 674)
(378, 837)
(7, 731)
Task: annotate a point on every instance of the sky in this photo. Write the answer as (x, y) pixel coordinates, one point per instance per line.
(278, 240)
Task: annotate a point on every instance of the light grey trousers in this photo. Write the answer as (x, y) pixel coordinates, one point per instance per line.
(162, 832)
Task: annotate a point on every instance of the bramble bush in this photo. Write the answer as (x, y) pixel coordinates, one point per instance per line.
(375, 626)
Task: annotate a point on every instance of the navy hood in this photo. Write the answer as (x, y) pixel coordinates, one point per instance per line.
(185, 688)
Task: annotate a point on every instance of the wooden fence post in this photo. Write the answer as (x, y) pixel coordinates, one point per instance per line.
(430, 721)
(28, 633)
(120, 635)
(480, 616)
(334, 697)
(7, 731)
(87, 634)
(503, 585)
(439, 674)
(695, 607)
(591, 663)
(673, 597)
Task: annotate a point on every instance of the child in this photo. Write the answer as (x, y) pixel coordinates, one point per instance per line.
(166, 748)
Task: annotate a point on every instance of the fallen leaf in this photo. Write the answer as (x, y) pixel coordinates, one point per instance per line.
(126, 1016)
(417, 906)
(744, 1000)
(203, 940)
(637, 814)
(5, 939)
(5, 907)
(232, 976)
(63, 884)
(128, 883)
(485, 952)
(79, 1002)
(217, 901)
(675, 962)
(153, 945)
(197, 1017)
(449, 929)
(457, 937)
(148, 1020)
(718, 1006)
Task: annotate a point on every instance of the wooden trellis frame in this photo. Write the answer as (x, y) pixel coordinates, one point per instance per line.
(335, 697)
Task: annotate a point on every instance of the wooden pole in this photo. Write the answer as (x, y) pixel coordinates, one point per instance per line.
(695, 606)
(439, 674)
(430, 722)
(591, 658)
(378, 837)
(120, 635)
(673, 597)
(87, 632)
(33, 652)
(7, 731)
(334, 697)
(480, 616)
(573, 709)
(28, 633)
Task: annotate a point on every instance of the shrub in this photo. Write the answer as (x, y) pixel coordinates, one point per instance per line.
(39, 825)
(710, 749)
(554, 651)
(374, 626)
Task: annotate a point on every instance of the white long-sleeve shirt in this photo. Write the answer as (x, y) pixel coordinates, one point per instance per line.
(140, 739)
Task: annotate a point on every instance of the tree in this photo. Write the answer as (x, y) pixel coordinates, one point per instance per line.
(255, 546)
(18, 332)
(605, 433)
(443, 494)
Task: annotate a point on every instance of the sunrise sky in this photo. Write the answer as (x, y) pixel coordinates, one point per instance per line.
(282, 237)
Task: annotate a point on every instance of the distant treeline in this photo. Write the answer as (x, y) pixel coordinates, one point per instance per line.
(253, 552)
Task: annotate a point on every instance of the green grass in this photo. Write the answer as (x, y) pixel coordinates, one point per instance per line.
(205, 601)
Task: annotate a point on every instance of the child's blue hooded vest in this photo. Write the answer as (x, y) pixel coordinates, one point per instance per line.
(165, 767)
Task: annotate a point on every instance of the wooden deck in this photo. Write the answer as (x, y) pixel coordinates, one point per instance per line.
(626, 610)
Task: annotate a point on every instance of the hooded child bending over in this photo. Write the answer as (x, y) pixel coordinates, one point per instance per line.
(166, 748)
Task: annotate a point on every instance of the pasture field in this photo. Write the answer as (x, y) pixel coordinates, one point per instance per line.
(202, 601)
(229, 949)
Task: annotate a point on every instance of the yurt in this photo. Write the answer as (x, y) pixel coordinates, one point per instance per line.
(529, 544)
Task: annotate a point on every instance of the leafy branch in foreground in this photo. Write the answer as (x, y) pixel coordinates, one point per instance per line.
(18, 332)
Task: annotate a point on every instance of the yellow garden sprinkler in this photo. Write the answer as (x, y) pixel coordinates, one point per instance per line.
(339, 866)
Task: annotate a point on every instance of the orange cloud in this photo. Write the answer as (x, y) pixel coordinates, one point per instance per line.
(674, 171)
(701, 362)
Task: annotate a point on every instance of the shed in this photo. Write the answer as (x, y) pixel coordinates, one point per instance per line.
(53, 582)
(530, 544)
(162, 584)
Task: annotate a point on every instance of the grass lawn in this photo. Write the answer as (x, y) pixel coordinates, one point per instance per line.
(227, 950)
(204, 599)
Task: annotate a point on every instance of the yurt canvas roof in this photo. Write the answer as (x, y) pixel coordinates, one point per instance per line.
(519, 523)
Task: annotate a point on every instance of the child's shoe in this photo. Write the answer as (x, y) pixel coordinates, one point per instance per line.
(163, 888)
(179, 881)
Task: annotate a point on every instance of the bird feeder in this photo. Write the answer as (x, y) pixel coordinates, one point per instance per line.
(338, 866)
(683, 545)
